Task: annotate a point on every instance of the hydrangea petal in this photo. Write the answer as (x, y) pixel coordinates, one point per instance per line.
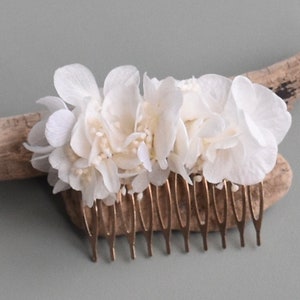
(38, 149)
(59, 127)
(271, 113)
(181, 145)
(79, 142)
(60, 186)
(193, 107)
(129, 161)
(143, 155)
(158, 176)
(110, 199)
(214, 90)
(40, 162)
(52, 103)
(101, 192)
(140, 182)
(243, 93)
(164, 136)
(59, 160)
(75, 82)
(120, 108)
(123, 75)
(36, 136)
(109, 171)
(176, 165)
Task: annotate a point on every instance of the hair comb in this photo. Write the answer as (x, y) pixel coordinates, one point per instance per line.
(195, 155)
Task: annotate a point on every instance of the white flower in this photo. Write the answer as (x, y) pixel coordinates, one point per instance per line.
(105, 123)
(38, 141)
(234, 128)
(112, 140)
(160, 123)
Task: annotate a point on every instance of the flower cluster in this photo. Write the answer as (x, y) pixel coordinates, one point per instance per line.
(102, 141)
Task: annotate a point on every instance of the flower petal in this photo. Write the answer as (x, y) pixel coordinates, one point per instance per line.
(36, 135)
(243, 94)
(164, 136)
(158, 176)
(38, 149)
(60, 161)
(75, 82)
(123, 75)
(79, 142)
(177, 166)
(181, 145)
(193, 107)
(214, 90)
(140, 182)
(144, 157)
(101, 192)
(271, 112)
(52, 103)
(109, 171)
(126, 161)
(120, 108)
(40, 162)
(59, 127)
(60, 186)
(110, 199)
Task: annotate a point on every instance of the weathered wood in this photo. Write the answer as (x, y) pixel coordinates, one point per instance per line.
(14, 158)
(282, 77)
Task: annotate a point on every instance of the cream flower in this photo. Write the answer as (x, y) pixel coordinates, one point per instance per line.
(105, 123)
(38, 141)
(234, 128)
(160, 123)
(110, 140)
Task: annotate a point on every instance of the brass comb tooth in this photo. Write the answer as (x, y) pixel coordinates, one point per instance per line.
(146, 228)
(256, 216)
(186, 205)
(220, 213)
(180, 219)
(240, 219)
(165, 227)
(128, 229)
(200, 207)
(110, 230)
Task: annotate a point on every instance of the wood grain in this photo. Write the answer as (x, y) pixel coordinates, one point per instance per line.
(14, 158)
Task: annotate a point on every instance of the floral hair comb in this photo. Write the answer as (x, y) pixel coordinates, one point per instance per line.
(192, 155)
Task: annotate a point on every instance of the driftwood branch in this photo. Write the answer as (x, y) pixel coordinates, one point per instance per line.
(282, 77)
(14, 158)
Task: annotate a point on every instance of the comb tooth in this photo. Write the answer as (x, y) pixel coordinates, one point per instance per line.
(129, 232)
(257, 220)
(148, 232)
(221, 223)
(185, 228)
(240, 221)
(166, 228)
(93, 232)
(110, 230)
(204, 204)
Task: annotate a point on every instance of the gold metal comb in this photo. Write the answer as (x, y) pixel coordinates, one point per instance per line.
(176, 205)
(179, 206)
